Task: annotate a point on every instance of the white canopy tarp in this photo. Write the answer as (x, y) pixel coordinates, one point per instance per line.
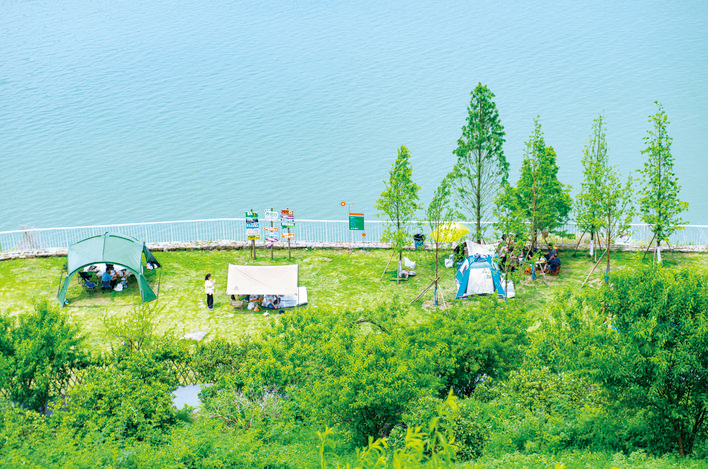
(262, 280)
(481, 249)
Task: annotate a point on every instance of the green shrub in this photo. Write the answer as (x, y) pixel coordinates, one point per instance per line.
(537, 409)
(38, 353)
(129, 399)
(216, 358)
(462, 419)
(654, 360)
(471, 343)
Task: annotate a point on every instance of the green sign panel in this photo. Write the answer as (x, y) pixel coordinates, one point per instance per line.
(356, 221)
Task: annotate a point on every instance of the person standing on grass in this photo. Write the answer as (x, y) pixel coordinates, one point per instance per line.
(209, 290)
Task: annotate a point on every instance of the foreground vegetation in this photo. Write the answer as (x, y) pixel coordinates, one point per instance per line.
(559, 377)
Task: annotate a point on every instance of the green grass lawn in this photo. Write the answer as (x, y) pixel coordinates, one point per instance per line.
(337, 279)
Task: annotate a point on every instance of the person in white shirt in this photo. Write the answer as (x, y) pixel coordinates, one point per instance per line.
(271, 301)
(209, 290)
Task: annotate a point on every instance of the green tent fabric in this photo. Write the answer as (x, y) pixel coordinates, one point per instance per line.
(109, 248)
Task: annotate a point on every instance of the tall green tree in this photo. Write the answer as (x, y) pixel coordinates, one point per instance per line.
(399, 202)
(659, 201)
(595, 161)
(654, 359)
(543, 201)
(616, 208)
(439, 212)
(481, 167)
(604, 204)
(511, 228)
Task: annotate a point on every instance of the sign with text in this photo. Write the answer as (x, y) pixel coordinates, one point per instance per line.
(287, 218)
(252, 229)
(356, 221)
(271, 215)
(251, 220)
(289, 235)
(271, 236)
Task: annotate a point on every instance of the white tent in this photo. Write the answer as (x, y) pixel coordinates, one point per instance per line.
(278, 280)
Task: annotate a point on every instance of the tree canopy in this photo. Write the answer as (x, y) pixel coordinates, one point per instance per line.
(543, 201)
(399, 201)
(655, 357)
(37, 353)
(604, 203)
(659, 201)
(481, 167)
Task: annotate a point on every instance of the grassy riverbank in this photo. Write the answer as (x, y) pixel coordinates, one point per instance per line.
(530, 417)
(337, 279)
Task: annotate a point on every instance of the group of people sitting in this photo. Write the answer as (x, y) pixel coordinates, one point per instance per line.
(110, 277)
(548, 263)
(552, 264)
(258, 302)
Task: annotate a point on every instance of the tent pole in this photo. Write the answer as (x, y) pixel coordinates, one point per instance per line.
(61, 275)
(158, 285)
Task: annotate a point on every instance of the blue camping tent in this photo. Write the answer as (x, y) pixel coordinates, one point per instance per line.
(479, 275)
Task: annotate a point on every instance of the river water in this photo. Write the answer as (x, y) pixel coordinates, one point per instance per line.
(131, 111)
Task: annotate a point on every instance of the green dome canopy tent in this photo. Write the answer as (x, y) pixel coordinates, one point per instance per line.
(110, 248)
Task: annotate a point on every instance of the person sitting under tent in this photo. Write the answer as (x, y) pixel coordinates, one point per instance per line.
(271, 301)
(107, 280)
(254, 302)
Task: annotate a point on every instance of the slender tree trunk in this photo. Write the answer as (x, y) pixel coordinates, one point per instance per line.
(660, 214)
(479, 184)
(592, 240)
(679, 440)
(435, 293)
(533, 217)
(698, 422)
(609, 239)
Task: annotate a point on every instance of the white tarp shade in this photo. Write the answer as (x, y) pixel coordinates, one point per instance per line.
(481, 249)
(262, 280)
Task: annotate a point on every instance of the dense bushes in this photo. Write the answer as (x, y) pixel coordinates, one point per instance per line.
(462, 419)
(472, 342)
(38, 352)
(655, 358)
(470, 383)
(127, 399)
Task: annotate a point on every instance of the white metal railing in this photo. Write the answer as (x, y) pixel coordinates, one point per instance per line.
(29, 241)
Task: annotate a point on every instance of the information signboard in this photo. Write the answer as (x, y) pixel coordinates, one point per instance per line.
(253, 231)
(356, 221)
(287, 218)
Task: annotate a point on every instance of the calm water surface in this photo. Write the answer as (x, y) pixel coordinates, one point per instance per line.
(128, 111)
